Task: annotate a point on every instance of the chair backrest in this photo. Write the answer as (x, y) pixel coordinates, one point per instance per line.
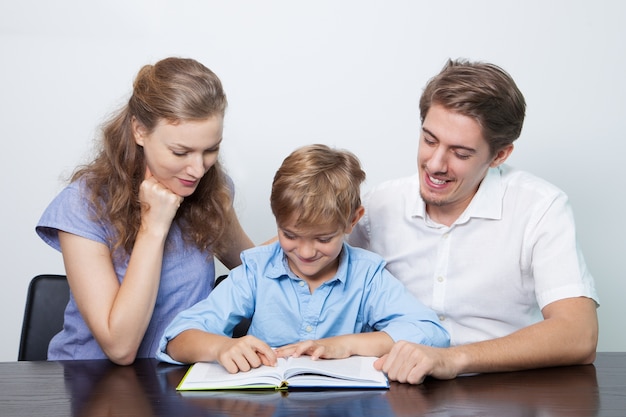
(43, 316)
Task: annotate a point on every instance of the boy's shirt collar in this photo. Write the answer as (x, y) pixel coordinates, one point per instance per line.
(279, 267)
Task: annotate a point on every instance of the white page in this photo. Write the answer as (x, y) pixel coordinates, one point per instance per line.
(213, 375)
(353, 372)
(354, 368)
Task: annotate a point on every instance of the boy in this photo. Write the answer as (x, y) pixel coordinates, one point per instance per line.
(310, 293)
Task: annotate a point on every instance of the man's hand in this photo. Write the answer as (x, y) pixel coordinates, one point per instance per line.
(412, 363)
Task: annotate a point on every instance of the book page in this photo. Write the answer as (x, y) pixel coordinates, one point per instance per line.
(352, 371)
(212, 375)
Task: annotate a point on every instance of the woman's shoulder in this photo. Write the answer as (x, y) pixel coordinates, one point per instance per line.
(363, 255)
(72, 211)
(71, 194)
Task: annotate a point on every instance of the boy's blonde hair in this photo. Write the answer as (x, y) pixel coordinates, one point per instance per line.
(319, 185)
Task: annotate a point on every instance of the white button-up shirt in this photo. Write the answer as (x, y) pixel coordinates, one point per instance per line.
(512, 252)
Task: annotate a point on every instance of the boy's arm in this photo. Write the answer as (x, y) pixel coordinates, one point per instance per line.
(389, 307)
(336, 347)
(241, 354)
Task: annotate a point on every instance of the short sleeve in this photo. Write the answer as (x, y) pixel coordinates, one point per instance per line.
(71, 211)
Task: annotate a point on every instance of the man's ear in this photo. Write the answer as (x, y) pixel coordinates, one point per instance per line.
(358, 213)
(501, 156)
(139, 131)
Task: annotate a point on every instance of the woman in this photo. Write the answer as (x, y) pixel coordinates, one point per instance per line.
(138, 227)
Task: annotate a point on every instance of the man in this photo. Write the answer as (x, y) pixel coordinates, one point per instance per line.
(491, 249)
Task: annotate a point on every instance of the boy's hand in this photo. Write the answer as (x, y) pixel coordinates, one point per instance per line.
(245, 353)
(316, 349)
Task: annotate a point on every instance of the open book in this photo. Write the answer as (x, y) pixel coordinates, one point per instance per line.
(302, 372)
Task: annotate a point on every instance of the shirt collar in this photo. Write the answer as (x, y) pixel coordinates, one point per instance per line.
(280, 267)
(487, 203)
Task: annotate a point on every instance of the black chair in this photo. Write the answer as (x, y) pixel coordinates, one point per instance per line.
(43, 316)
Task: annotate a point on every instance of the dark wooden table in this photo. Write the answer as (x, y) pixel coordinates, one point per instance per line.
(147, 388)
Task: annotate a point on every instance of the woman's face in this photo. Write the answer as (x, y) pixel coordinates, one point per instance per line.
(179, 154)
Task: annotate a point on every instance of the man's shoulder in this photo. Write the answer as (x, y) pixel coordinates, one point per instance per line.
(403, 183)
(360, 254)
(517, 180)
(364, 261)
(395, 190)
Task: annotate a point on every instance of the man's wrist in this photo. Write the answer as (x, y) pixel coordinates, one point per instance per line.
(459, 359)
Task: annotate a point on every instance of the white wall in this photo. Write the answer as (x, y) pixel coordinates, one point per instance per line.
(346, 73)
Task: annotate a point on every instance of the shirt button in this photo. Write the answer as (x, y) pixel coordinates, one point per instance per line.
(308, 329)
(442, 317)
(440, 279)
(445, 235)
(301, 283)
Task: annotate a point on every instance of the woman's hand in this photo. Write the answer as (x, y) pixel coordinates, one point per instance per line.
(158, 204)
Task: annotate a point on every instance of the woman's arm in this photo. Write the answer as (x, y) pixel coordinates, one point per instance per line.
(118, 314)
(236, 241)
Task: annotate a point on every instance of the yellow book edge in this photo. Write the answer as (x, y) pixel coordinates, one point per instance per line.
(282, 387)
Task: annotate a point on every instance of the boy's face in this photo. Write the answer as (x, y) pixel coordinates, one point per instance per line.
(312, 252)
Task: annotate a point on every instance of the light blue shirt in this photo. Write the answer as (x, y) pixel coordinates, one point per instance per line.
(363, 296)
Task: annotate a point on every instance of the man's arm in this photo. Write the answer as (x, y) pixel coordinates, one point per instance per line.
(568, 335)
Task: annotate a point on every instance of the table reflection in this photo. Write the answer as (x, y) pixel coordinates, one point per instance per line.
(568, 391)
(100, 388)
